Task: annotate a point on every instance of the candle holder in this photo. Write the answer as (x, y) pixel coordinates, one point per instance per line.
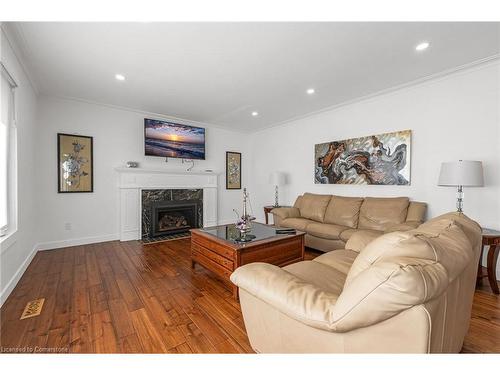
(244, 222)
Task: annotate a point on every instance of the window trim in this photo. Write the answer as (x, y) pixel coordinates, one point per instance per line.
(10, 229)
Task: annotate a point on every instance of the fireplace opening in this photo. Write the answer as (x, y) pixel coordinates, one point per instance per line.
(173, 217)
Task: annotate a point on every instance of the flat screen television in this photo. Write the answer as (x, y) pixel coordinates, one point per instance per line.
(171, 140)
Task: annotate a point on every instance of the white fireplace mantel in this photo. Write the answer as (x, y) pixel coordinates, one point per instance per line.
(132, 181)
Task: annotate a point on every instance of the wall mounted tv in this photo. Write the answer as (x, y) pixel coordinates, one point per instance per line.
(171, 140)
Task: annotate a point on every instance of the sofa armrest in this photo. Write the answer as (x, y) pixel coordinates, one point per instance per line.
(287, 293)
(286, 212)
(403, 227)
(360, 239)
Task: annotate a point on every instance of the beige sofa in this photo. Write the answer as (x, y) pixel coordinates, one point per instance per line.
(330, 220)
(404, 292)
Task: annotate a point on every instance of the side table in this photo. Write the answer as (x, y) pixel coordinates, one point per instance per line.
(491, 238)
(268, 209)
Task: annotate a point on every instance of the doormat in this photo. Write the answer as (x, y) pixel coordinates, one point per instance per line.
(167, 237)
(33, 308)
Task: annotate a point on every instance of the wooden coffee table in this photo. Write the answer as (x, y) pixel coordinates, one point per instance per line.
(218, 249)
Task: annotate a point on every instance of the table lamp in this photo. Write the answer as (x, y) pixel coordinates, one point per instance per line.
(277, 179)
(461, 173)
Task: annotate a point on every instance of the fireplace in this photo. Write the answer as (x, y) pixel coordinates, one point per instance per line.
(168, 212)
(173, 217)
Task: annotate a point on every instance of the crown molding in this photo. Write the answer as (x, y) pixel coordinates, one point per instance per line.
(15, 37)
(159, 116)
(462, 69)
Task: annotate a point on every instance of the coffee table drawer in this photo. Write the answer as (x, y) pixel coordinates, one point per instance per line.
(209, 264)
(213, 246)
(214, 257)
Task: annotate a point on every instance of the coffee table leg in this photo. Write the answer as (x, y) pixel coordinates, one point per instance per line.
(492, 265)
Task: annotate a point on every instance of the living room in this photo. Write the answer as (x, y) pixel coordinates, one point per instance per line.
(250, 187)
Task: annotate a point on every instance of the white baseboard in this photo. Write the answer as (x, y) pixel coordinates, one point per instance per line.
(48, 246)
(17, 276)
(76, 242)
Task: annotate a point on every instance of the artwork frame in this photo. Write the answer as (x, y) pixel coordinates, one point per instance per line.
(75, 161)
(175, 145)
(381, 159)
(233, 170)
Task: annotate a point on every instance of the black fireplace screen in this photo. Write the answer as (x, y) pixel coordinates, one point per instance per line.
(173, 217)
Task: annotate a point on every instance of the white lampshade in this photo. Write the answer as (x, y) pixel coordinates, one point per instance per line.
(278, 178)
(461, 173)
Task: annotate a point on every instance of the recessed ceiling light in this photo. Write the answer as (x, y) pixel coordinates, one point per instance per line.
(310, 91)
(254, 113)
(120, 77)
(422, 46)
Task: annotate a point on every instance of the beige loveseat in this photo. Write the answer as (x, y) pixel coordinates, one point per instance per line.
(330, 220)
(404, 292)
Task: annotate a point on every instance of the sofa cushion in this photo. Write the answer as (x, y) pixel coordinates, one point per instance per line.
(326, 231)
(380, 213)
(322, 276)
(341, 260)
(296, 223)
(298, 202)
(403, 227)
(286, 212)
(313, 206)
(358, 241)
(434, 226)
(345, 235)
(416, 243)
(343, 211)
(322, 244)
(402, 269)
(416, 211)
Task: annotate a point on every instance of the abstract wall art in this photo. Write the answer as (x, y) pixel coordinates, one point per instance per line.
(382, 159)
(74, 163)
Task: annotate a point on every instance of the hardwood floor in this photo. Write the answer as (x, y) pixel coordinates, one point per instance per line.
(125, 297)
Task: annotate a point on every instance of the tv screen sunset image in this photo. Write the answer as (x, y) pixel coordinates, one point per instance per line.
(167, 139)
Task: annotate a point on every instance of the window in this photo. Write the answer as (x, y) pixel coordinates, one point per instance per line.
(7, 152)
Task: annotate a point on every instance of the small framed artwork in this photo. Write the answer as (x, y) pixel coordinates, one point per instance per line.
(233, 170)
(75, 169)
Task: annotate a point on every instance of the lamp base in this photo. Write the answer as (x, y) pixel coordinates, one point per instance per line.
(460, 199)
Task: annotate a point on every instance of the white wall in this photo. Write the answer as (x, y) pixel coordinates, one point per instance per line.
(454, 117)
(17, 250)
(118, 138)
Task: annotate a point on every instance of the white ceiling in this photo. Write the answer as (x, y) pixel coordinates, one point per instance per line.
(220, 72)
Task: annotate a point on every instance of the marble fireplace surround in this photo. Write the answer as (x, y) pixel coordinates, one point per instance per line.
(150, 197)
(132, 181)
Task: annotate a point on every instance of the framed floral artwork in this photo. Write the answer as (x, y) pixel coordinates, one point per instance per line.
(233, 170)
(74, 164)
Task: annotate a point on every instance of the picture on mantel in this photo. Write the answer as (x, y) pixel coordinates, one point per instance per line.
(382, 159)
